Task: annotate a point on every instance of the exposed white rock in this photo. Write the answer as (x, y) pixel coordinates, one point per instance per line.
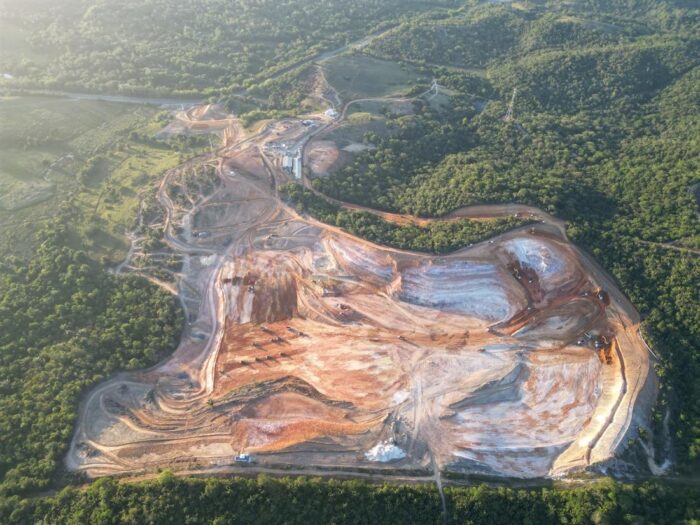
(385, 452)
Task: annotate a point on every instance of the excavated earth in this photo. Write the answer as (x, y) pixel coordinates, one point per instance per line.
(310, 347)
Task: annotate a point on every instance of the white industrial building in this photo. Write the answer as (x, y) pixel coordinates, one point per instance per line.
(296, 170)
(292, 164)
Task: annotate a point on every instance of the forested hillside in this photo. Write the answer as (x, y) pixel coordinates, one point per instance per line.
(174, 47)
(438, 237)
(65, 324)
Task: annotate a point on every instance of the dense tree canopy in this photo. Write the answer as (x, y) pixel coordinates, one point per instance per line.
(65, 324)
(303, 501)
(436, 237)
(170, 46)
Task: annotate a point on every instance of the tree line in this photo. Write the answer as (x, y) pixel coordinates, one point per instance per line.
(437, 237)
(265, 500)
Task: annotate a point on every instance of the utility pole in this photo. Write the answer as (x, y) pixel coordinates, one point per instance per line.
(509, 114)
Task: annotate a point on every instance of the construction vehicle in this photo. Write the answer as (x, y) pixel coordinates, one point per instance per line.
(244, 458)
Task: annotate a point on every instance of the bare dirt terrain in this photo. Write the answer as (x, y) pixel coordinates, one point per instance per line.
(309, 348)
(323, 156)
(200, 120)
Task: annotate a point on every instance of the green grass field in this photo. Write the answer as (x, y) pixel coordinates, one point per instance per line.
(45, 145)
(360, 76)
(36, 131)
(356, 126)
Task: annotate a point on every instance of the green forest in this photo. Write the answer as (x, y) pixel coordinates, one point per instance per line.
(265, 500)
(65, 325)
(437, 237)
(179, 48)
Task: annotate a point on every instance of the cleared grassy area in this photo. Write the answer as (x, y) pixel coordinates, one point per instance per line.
(442, 101)
(353, 130)
(107, 210)
(79, 160)
(36, 131)
(361, 76)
